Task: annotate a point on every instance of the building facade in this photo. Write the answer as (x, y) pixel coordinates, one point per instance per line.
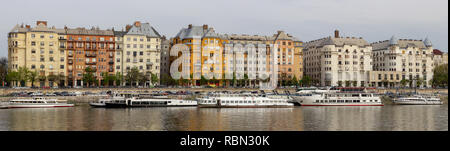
(141, 50)
(61, 56)
(338, 61)
(402, 59)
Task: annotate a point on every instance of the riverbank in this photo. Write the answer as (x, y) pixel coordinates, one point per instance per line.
(6, 91)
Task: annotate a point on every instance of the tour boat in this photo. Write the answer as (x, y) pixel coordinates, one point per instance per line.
(337, 97)
(37, 102)
(102, 102)
(155, 101)
(241, 101)
(418, 100)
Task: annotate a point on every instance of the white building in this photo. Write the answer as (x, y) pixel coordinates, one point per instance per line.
(410, 58)
(338, 61)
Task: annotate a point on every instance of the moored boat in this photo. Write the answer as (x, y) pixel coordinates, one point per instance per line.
(102, 102)
(418, 100)
(338, 97)
(241, 101)
(37, 102)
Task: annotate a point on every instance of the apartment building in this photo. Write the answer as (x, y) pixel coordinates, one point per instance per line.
(402, 59)
(338, 61)
(141, 50)
(38, 49)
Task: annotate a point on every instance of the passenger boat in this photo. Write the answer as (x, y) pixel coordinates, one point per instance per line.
(37, 102)
(157, 101)
(102, 102)
(337, 97)
(418, 100)
(241, 101)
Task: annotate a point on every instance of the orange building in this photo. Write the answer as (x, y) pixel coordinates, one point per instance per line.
(92, 48)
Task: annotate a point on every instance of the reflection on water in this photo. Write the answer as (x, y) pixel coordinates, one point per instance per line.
(85, 118)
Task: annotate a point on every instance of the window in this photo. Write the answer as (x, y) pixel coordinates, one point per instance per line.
(61, 66)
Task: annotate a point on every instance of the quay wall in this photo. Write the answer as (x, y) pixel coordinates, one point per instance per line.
(5, 91)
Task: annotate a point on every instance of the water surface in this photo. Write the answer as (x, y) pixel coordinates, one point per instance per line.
(84, 118)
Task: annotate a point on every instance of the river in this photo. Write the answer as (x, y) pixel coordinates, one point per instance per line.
(353, 118)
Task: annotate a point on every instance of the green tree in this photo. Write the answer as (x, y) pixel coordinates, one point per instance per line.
(23, 71)
(403, 82)
(118, 78)
(12, 77)
(419, 82)
(32, 77)
(440, 75)
(133, 76)
(154, 78)
(88, 76)
(306, 80)
(3, 70)
(294, 81)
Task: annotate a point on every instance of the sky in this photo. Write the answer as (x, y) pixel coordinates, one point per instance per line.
(374, 20)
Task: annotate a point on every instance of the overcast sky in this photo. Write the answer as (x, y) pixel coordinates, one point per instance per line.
(374, 20)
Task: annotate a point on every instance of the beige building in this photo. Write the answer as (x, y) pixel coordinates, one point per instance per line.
(38, 49)
(338, 61)
(141, 49)
(407, 58)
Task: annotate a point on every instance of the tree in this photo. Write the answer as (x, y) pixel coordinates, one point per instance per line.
(154, 78)
(294, 81)
(118, 78)
(245, 79)
(403, 82)
(12, 77)
(306, 80)
(440, 76)
(419, 82)
(203, 80)
(88, 76)
(22, 76)
(347, 83)
(32, 77)
(3, 70)
(133, 76)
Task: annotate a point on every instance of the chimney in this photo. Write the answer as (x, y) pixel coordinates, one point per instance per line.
(336, 34)
(127, 28)
(28, 26)
(43, 22)
(205, 26)
(189, 26)
(137, 23)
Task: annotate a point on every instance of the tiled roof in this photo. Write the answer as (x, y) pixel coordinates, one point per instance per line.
(144, 29)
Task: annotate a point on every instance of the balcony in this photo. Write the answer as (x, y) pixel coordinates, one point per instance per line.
(70, 54)
(70, 62)
(111, 62)
(111, 56)
(91, 55)
(91, 63)
(111, 70)
(62, 47)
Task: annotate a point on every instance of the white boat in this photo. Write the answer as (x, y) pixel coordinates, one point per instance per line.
(337, 97)
(37, 102)
(150, 102)
(241, 101)
(102, 102)
(418, 100)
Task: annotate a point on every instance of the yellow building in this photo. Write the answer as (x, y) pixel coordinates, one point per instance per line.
(203, 43)
(38, 50)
